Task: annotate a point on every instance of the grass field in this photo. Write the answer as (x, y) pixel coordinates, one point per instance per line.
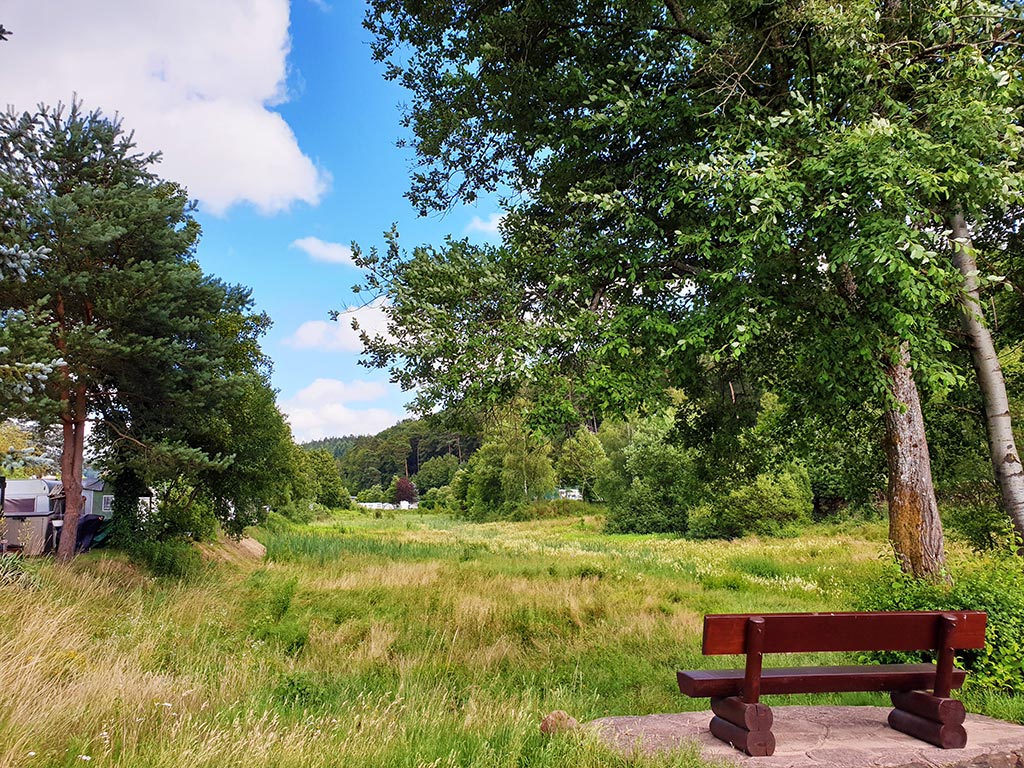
(405, 641)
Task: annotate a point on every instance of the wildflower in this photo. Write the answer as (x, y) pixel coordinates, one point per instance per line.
(84, 757)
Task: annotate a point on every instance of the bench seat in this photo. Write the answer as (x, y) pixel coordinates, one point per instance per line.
(714, 683)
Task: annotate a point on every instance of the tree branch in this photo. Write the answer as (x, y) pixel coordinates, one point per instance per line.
(680, 18)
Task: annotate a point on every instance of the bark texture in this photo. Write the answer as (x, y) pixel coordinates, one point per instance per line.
(1002, 446)
(914, 526)
(71, 460)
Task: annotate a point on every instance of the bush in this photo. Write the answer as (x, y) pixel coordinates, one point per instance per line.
(277, 523)
(172, 558)
(994, 584)
(372, 495)
(269, 603)
(661, 483)
(439, 500)
(647, 507)
(983, 526)
(305, 511)
(769, 506)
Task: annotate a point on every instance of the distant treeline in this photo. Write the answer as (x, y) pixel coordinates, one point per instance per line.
(365, 461)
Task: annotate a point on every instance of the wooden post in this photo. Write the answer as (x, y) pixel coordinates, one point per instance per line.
(754, 646)
(944, 664)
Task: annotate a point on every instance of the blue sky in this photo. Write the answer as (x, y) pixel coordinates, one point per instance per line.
(276, 119)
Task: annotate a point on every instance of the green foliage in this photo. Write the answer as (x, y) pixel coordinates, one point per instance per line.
(983, 526)
(336, 446)
(373, 494)
(439, 500)
(270, 598)
(994, 584)
(161, 359)
(407, 447)
(666, 486)
(511, 469)
(304, 511)
(690, 196)
(661, 483)
(15, 571)
(579, 462)
(328, 489)
(306, 690)
(412, 626)
(169, 558)
(644, 189)
(485, 497)
(771, 505)
(436, 472)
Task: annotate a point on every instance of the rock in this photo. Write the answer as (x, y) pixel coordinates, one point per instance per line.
(558, 722)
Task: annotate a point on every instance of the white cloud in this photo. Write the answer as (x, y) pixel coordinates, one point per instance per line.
(323, 409)
(488, 227)
(339, 336)
(194, 79)
(319, 250)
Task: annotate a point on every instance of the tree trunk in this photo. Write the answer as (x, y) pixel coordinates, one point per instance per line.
(1002, 447)
(71, 460)
(914, 526)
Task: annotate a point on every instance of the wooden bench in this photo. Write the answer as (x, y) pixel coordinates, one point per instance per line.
(920, 692)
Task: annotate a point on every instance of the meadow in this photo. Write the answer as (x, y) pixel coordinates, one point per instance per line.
(408, 641)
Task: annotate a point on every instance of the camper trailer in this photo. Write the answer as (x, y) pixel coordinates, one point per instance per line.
(27, 512)
(33, 512)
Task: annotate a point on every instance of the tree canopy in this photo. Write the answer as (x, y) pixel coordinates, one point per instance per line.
(156, 355)
(783, 184)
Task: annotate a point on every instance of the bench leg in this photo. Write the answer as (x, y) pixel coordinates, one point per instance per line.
(745, 726)
(937, 720)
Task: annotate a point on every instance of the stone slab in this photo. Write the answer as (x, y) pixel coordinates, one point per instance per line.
(815, 737)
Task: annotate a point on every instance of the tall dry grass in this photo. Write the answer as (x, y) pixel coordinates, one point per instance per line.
(417, 644)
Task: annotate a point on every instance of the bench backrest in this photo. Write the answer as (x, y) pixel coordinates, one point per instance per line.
(820, 632)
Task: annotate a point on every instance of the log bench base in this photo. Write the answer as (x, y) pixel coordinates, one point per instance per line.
(748, 727)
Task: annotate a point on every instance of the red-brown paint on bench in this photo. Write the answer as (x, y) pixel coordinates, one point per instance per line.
(823, 632)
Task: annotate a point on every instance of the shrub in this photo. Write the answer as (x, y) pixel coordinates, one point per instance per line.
(994, 584)
(290, 635)
(305, 511)
(439, 500)
(646, 507)
(270, 599)
(276, 523)
(982, 526)
(172, 558)
(769, 506)
(661, 483)
(305, 690)
(372, 495)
